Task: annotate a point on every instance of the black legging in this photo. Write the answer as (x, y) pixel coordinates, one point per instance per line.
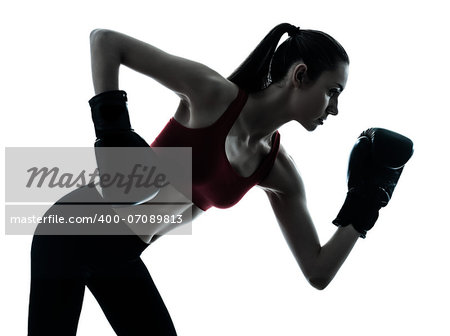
(109, 265)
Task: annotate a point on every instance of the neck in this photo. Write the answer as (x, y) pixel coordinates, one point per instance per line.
(263, 114)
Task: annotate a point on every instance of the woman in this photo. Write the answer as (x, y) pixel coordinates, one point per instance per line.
(231, 125)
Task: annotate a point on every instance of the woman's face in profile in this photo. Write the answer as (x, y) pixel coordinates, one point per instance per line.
(317, 100)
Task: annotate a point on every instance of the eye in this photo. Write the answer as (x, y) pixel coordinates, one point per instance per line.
(333, 92)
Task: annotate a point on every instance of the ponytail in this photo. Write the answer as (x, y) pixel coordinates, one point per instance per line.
(267, 63)
(253, 74)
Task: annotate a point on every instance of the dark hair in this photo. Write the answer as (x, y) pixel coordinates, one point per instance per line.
(268, 64)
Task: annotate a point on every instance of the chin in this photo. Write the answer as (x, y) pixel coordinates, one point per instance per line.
(310, 128)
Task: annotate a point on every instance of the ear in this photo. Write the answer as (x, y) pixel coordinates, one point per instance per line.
(299, 75)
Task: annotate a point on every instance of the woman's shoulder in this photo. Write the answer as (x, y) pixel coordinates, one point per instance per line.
(284, 177)
(208, 103)
(219, 91)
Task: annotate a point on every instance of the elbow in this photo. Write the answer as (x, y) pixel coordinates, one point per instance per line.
(101, 37)
(319, 283)
(93, 35)
(97, 34)
(104, 45)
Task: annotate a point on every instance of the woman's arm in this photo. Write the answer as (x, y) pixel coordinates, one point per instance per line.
(110, 49)
(286, 193)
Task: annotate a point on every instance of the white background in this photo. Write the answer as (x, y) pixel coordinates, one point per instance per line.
(235, 275)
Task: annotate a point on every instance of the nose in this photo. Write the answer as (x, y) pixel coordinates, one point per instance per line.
(333, 112)
(333, 107)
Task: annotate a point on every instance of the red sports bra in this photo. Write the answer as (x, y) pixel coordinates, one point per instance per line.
(214, 181)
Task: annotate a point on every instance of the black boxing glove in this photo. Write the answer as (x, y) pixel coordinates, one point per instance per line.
(109, 112)
(113, 129)
(375, 165)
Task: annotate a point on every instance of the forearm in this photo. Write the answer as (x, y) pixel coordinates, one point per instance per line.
(105, 61)
(332, 255)
(319, 264)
